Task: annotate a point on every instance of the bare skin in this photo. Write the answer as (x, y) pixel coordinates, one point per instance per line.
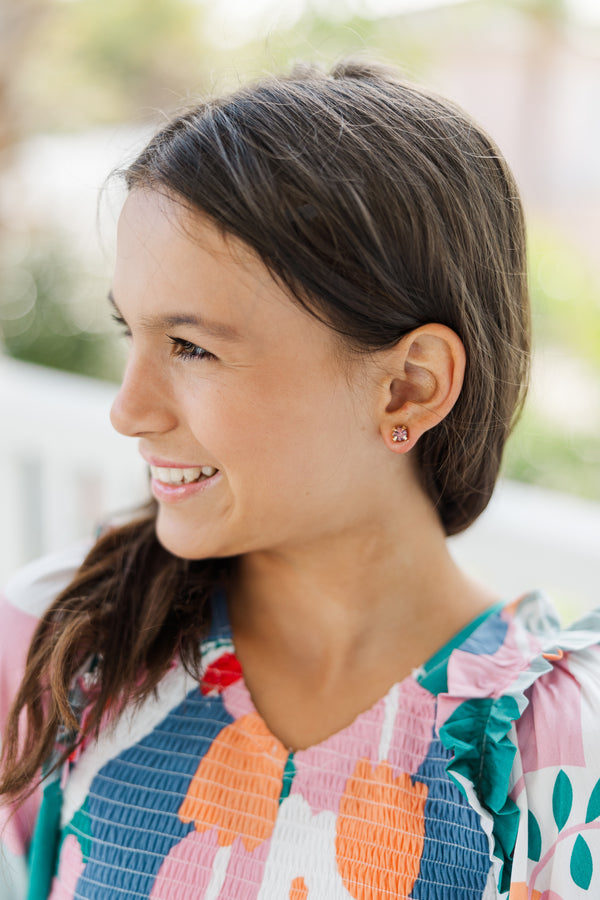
(344, 582)
(338, 642)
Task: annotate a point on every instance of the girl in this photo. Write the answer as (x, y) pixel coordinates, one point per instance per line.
(276, 683)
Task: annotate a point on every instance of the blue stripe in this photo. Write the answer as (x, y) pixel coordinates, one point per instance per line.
(135, 798)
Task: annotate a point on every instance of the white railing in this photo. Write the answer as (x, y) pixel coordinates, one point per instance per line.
(64, 470)
(63, 467)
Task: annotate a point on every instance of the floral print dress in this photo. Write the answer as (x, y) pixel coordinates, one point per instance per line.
(478, 776)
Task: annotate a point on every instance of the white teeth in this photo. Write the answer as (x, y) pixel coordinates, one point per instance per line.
(180, 476)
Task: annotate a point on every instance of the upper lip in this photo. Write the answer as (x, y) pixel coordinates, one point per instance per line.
(169, 464)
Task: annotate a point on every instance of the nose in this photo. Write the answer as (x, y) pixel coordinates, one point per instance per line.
(142, 405)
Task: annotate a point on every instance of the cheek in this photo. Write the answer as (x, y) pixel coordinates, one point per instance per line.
(299, 450)
(278, 431)
(245, 438)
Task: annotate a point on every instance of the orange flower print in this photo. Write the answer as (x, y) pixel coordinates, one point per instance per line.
(520, 891)
(380, 832)
(237, 785)
(298, 890)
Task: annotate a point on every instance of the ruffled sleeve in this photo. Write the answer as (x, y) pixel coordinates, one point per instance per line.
(24, 600)
(521, 717)
(556, 777)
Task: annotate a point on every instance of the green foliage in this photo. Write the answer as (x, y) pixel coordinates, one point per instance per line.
(325, 34)
(545, 10)
(541, 452)
(105, 61)
(38, 295)
(565, 293)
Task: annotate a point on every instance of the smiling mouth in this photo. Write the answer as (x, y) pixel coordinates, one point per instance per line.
(182, 476)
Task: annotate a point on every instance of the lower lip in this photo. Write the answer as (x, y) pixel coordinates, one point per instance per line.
(175, 493)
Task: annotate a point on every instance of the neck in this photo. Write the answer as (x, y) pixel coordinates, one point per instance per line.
(386, 589)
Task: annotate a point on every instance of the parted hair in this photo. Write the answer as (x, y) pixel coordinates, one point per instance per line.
(380, 207)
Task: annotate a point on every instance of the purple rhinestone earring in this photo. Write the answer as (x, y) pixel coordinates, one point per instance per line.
(400, 434)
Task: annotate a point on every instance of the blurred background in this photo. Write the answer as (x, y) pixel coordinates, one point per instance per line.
(82, 85)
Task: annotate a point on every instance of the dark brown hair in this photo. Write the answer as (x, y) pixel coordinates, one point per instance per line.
(381, 207)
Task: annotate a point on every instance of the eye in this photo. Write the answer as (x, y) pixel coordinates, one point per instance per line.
(121, 323)
(187, 350)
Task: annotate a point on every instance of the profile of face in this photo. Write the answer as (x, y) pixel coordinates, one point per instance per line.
(227, 373)
(254, 390)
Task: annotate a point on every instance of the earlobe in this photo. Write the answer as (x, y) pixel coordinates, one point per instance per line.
(425, 376)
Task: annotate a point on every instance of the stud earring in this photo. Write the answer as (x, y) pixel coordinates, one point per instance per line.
(400, 434)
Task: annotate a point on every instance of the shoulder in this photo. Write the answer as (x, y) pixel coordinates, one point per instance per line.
(523, 651)
(562, 719)
(559, 722)
(556, 779)
(34, 586)
(521, 718)
(556, 774)
(25, 598)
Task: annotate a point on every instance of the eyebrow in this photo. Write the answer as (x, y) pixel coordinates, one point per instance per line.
(160, 323)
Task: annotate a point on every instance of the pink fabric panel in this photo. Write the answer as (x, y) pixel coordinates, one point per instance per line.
(542, 743)
(413, 728)
(71, 867)
(236, 699)
(323, 770)
(245, 871)
(490, 675)
(16, 631)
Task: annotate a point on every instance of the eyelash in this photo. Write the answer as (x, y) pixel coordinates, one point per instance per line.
(182, 349)
(121, 323)
(187, 350)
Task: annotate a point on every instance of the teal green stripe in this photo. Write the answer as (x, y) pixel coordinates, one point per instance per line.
(288, 776)
(42, 854)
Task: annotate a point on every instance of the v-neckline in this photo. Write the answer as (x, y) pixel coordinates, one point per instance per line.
(428, 674)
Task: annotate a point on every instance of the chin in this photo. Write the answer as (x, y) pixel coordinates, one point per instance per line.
(186, 543)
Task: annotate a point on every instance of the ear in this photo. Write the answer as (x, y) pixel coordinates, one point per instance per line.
(424, 377)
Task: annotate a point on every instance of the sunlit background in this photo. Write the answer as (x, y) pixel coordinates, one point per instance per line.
(83, 83)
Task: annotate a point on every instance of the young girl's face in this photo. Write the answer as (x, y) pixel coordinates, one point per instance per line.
(226, 373)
